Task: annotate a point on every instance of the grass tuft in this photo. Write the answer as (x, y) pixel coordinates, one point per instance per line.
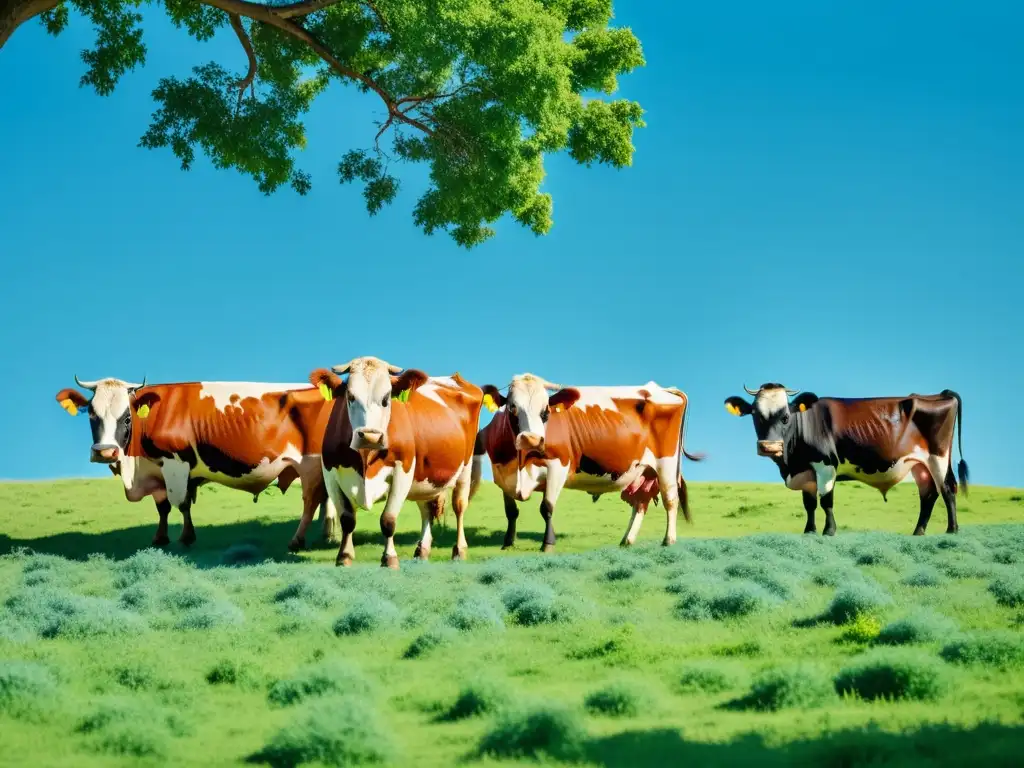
(1008, 590)
(476, 611)
(800, 686)
(483, 697)
(709, 676)
(894, 673)
(539, 732)
(315, 681)
(234, 672)
(925, 576)
(854, 599)
(999, 649)
(28, 690)
(423, 644)
(618, 699)
(368, 614)
(922, 626)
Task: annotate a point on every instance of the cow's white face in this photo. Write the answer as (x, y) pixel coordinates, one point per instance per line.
(772, 414)
(529, 409)
(110, 417)
(368, 399)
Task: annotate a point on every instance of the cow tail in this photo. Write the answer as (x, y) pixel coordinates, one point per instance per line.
(961, 468)
(684, 496)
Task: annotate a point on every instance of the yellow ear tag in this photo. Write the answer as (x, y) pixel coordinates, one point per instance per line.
(69, 406)
(803, 407)
(403, 396)
(489, 403)
(142, 412)
(325, 391)
(732, 409)
(558, 408)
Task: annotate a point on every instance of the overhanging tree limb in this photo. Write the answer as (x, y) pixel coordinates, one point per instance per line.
(243, 38)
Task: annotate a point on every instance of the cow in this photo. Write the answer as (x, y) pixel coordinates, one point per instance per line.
(402, 434)
(166, 440)
(626, 440)
(816, 442)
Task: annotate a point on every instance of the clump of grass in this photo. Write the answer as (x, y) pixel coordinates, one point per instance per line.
(725, 601)
(619, 649)
(315, 592)
(52, 613)
(475, 611)
(331, 732)
(965, 566)
(854, 599)
(241, 554)
(138, 676)
(368, 614)
(925, 576)
(894, 673)
(620, 573)
(1007, 556)
(709, 676)
(430, 640)
(749, 649)
(530, 604)
(876, 553)
(1001, 649)
(315, 681)
(120, 726)
(798, 686)
(618, 699)
(145, 565)
(28, 690)
(233, 672)
(538, 732)
(213, 615)
(922, 626)
(1008, 590)
(483, 697)
(835, 576)
(863, 629)
(770, 577)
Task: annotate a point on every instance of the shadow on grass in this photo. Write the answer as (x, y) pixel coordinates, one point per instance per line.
(270, 539)
(990, 744)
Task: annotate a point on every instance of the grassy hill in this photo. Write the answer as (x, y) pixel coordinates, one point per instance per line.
(747, 643)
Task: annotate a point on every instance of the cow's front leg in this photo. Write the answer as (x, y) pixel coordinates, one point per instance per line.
(511, 515)
(810, 505)
(635, 521)
(180, 493)
(401, 484)
(830, 521)
(558, 474)
(163, 509)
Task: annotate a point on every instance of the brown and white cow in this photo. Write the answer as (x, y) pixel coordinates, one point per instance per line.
(166, 440)
(626, 440)
(404, 435)
(816, 442)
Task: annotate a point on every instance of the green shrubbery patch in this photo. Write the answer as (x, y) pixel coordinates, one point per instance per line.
(894, 673)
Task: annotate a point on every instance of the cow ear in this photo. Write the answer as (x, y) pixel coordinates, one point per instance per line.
(737, 406)
(563, 399)
(407, 382)
(493, 399)
(71, 400)
(803, 401)
(144, 402)
(328, 382)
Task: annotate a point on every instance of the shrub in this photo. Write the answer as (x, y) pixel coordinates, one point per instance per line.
(146, 565)
(1001, 649)
(311, 591)
(27, 690)
(836, 576)
(894, 673)
(219, 613)
(773, 578)
(138, 677)
(530, 604)
(50, 612)
(925, 576)
(620, 699)
(368, 614)
(331, 732)
(1008, 590)
(544, 731)
(863, 629)
(1006, 556)
(314, 681)
(799, 686)
(853, 600)
(922, 626)
(620, 573)
(708, 677)
(723, 601)
(120, 726)
(876, 553)
(475, 612)
(483, 697)
(428, 641)
(965, 566)
(233, 672)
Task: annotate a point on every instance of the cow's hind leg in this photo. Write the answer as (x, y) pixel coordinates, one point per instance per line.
(670, 484)
(810, 505)
(427, 517)
(511, 515)
(346, 516)
(940, 468)
(929, 495)
(163, 509)
(635, 521)
(461, 494)
(830, 520)
(180, 492)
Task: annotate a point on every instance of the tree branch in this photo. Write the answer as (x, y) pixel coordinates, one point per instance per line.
(14, 13)
(303, 8)
(250, 76)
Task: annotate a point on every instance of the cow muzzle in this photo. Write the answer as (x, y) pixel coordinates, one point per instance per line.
(528, 441)
(104, 454)
(369, 439)
(772, 448)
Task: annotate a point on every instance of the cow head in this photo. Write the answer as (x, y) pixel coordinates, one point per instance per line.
(772, 411)
(529, 407)
(110, 415)
(368, 392)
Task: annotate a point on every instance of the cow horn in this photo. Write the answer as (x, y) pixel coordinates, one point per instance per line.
(341, 370)
(792, 392)
(90, 385)
(751, 392)
(133, 387)
(395, 368)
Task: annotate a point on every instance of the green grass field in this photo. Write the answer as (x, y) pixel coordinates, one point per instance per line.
(746, 643)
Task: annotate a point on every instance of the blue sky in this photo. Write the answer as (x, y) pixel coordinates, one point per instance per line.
(827, 195)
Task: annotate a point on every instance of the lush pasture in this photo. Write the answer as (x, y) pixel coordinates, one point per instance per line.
(746, 643)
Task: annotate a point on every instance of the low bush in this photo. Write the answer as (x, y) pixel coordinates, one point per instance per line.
(618, 699)
(922, 626)
(538, 732)
(1000, 649)
(894, 673)
(315, 681)
(799, 686)
(483, 697)
(854, 599)
(368, 614)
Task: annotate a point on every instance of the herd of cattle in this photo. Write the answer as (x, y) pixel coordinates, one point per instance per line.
(382, 431)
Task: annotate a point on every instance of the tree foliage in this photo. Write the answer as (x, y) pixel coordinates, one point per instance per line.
(478, 90)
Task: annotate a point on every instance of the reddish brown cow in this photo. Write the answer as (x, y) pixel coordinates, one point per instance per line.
(166, 440)
(626, 440)
(409, 431)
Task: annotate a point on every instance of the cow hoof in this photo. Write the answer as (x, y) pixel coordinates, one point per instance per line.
(297, 544)
(389, 561)
(829, 532)
(161, 540)
(188, 539)
(667, 542)
(625, 543)
(421, 553)
(811, 530)
(508, 545)
(458, 554)
(548, 548)
(953, 530)
(344, 561)
(919, 531)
